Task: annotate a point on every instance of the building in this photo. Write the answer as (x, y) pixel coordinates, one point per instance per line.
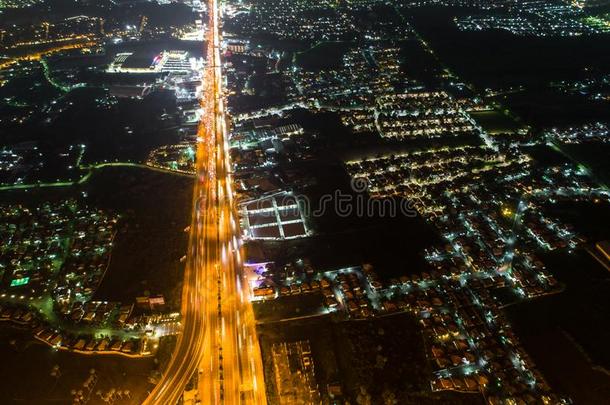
(164, 62)
(294, 373)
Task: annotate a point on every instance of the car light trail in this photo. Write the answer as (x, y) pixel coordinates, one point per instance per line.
(216, 318)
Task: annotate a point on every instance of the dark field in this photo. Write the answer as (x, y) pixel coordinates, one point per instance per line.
(594, 156)
(545, 155)
(324, 55)
(543, 107)
(289, 307)
(566, 334)
(494, 122)
(28, 364)
(499, 59)
(155, 209)
(589, 219)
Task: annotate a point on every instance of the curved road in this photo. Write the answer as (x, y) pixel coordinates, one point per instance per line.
(219, 338)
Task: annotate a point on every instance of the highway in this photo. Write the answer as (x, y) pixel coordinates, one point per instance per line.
(218, 340)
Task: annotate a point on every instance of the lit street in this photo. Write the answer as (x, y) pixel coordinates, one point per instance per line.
(219, 337)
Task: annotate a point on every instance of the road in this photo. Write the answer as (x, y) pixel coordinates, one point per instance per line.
(218, 341)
